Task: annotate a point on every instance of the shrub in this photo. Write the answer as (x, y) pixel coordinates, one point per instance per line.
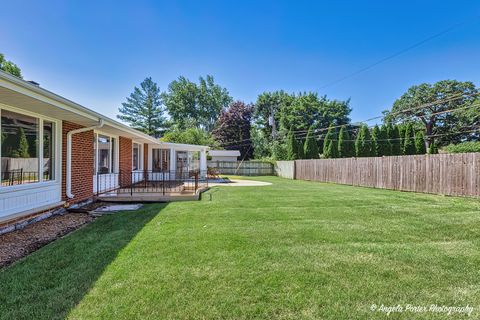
(463, 147)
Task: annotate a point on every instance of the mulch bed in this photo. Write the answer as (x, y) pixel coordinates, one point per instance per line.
(17, 244)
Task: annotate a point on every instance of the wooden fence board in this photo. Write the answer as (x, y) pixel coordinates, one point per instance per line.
(448, 174)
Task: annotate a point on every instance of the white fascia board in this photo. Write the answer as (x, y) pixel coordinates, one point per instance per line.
(26, 88)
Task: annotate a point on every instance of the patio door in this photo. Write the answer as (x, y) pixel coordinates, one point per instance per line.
(182, 163)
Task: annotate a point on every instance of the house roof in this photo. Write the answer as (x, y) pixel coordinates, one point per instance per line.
(224, 153)
(31, 97)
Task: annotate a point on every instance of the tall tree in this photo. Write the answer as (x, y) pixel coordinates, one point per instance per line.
(190, 136)
(307, 109)
(189, 104)
(346, 146)
(212, 99)
(330, 144)
(428, 103)
(310, 146)
(384, 146)
(9, 67)
(409, 143)
(143, 109)
(363, 143)
(233, 128)
(395, 140)
(420, 147)
(292, 148)
(300, 149)
(375, 144)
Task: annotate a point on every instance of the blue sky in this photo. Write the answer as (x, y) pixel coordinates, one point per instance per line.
(95, 53)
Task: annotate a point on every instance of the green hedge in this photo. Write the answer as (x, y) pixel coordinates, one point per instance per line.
(471, 146)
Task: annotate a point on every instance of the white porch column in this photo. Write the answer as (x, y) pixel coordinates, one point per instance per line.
(173, 160)
(203, 162)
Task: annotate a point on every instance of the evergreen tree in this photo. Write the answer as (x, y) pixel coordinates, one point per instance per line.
(420, 143)
(375, 143)
(432, 148)
(385, 149)
(409, 143)
(395, 141)
(300, 151)
(363, 143)
(401, 133)
(143, 109)
(333, 148)
(292, 148)
(330, 144)
(310, 147)
(22, 144)
(345, 145)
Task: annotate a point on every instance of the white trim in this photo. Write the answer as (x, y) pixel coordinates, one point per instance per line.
(139, 158)
(116, 145)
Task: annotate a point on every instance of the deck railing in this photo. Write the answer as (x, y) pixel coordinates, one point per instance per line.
(148, 181)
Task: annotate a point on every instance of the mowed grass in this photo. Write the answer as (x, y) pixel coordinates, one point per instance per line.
(292, 250)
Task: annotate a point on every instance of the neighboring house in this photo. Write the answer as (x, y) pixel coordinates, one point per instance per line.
(224, 155)
(56, 153)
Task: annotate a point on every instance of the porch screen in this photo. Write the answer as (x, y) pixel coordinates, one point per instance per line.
(160, 159)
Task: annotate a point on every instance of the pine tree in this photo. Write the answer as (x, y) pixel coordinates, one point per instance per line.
(22, 146)
(401, 133)
(363, 143)
(330, 145)
(395, 141)
(409, 143)
(292, 148)
(432, 148)
(375, 143)
(300, 151)
(385, 148)
(310, 147)
(345, 145)
(143, 109)
(420, 143)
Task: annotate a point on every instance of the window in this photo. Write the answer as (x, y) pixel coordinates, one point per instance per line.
(135, 156)
(161, 159)
(104, 154)
(25, 157)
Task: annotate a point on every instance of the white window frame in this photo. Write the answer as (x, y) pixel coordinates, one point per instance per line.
(113, 168)
(57, 151)
(140, 156)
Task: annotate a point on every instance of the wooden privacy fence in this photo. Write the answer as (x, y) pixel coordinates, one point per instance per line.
(448, 174)
(245, 168)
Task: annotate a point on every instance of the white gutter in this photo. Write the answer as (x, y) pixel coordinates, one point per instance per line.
(69, 154)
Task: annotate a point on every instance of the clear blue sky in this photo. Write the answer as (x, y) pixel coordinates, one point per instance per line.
(96, 53)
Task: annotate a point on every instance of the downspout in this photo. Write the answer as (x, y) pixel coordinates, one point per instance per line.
(69, 155)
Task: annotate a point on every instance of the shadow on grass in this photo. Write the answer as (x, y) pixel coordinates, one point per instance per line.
(54, 279)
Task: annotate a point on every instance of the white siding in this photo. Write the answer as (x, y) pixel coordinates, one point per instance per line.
(28, 197)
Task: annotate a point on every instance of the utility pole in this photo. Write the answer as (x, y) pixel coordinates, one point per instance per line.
(272, 123)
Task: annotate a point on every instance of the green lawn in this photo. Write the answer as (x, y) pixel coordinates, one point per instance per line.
(292, 250)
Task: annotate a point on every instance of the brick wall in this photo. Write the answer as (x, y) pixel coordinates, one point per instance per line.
(125, 161)
(82, 163)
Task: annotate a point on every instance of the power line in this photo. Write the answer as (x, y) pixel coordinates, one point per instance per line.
(396, 54)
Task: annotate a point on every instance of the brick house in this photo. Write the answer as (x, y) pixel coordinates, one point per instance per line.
(56, 153)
